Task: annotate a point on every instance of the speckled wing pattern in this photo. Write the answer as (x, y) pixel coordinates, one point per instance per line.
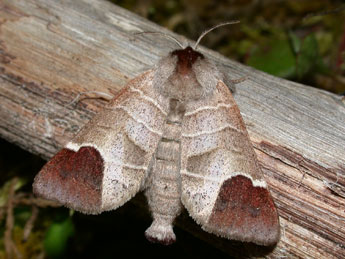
(177, 133)
(107, 162)
(222, 184)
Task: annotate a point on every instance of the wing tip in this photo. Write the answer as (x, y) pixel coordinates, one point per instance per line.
(245, 212)
(63, 179)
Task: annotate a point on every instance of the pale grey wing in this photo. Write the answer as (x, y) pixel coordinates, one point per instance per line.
(107, 161)
(222, 184)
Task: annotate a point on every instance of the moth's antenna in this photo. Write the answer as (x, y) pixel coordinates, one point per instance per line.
(164, 34)
(211, 29)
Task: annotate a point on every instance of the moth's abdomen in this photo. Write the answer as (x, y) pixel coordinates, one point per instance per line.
(164, 185)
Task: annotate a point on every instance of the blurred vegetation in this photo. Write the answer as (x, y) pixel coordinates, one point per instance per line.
(302, 41)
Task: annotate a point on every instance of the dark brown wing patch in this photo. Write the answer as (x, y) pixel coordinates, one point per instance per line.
(245, 212)
(74, 179)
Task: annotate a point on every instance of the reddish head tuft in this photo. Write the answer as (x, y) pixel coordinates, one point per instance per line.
(186, 58)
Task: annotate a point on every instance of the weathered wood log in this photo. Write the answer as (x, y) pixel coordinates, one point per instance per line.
(51, 51)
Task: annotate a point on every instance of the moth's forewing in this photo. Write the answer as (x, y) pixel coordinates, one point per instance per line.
(222, 183)
(106, 163)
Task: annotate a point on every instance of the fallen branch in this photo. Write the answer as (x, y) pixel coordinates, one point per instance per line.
(53, 50)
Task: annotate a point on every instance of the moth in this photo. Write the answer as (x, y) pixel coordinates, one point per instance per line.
(176, 133)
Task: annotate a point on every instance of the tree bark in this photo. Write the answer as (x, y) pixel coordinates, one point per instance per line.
(51, 51)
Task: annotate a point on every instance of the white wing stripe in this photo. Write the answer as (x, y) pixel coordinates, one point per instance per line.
(138, 120)
(75, 147)
(133, 166)
(203, 177)
(204, 108)
(256, 183)
(145, 97)
(208, 132)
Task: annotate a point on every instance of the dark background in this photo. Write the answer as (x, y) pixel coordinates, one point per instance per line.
(303, 41)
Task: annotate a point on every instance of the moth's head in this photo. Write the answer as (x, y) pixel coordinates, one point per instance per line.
(186, 59)
(186, 74)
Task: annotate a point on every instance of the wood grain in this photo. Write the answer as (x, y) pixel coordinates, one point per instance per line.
(51, 51)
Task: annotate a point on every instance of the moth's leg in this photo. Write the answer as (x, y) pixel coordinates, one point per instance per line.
(238, 80)
(91, 95)
(232, 82)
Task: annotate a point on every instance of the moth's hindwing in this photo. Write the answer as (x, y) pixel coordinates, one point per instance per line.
(107, 162)
(222, 184)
